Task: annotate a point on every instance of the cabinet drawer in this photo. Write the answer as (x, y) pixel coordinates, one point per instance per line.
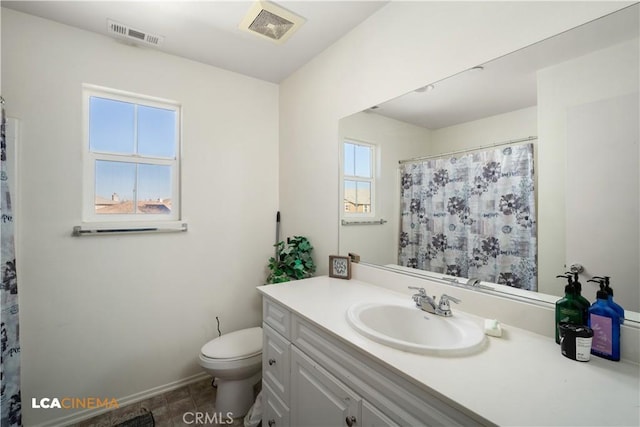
(276, 362)
(275, 413)
(276, 316)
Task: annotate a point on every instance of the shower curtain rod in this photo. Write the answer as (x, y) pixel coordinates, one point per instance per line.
(512, 141)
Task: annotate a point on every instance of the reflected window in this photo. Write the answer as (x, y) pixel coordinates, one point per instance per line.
(358, 184)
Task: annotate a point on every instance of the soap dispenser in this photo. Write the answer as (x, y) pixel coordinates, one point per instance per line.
(569, 309)
(605, 322)
(609, 290)
(585, 302)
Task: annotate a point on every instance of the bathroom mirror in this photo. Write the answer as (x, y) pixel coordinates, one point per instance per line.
(574, 97)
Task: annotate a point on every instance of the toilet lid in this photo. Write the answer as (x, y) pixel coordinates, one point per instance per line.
(242, 343)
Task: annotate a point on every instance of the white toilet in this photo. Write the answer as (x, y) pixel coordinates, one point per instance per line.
(235, 361)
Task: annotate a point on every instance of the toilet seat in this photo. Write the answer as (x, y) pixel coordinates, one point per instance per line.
(238, 345)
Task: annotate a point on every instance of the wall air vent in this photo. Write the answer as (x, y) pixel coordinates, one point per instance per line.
(125, 32)
(271, 21)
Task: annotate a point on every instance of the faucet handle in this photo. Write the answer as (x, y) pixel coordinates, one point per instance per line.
(421, 291)
(443, 305)
(420, 296)
(444, 298)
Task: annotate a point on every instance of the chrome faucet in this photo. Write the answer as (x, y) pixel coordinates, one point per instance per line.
(428, 304)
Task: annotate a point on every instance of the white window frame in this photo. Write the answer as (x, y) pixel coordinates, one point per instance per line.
(371, 180)
(89, 160)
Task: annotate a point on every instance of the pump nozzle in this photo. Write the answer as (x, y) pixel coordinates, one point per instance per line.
(570, 288)
(602, 293)
(605, 280)
(576, 282)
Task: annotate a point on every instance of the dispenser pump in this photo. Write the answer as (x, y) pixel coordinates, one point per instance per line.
(576, 282)
(604, 280)
(578, 286)
(570, 288)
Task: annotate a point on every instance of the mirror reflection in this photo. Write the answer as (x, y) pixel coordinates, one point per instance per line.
(510, 172)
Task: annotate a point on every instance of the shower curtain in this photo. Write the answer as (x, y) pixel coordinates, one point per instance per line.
(471, 216)
(10, 371)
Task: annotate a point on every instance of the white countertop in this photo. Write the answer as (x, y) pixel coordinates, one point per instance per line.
(518, 379)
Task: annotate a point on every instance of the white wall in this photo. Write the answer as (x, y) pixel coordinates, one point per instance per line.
(605, 74)
(516, 124)
(111, 316)
(602, 194)
(394, 141)
(403, 46)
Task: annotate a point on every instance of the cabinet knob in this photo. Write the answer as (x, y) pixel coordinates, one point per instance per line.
(351, 421)
(272, 362)
(271, 423)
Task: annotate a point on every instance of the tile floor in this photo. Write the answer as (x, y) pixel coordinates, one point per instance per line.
(168, 408)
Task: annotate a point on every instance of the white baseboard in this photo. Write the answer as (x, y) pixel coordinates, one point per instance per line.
(124, 401)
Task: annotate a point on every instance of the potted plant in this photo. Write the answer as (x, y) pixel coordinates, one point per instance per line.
(293, 260)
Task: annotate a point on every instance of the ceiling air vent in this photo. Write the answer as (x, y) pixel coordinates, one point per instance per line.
(271, 21)
(128, 33)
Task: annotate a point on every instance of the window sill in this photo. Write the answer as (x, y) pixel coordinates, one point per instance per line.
(363, 221)
(110, 228)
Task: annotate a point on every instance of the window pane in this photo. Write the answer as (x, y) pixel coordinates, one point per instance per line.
(349, 159)
(349, 196)
(156, 132)
(357, 196)
(154, 189)
(363, 197)
(115, 183)
(362, 161)
(111, 126)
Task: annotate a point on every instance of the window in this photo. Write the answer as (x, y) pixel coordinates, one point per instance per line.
(358, 178)
(132, 157)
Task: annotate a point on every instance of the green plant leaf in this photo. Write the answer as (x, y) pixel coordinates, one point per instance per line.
(293, 260)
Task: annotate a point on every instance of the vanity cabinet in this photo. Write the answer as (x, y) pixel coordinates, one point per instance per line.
(310, 378)
(371, 417)
(319, 398)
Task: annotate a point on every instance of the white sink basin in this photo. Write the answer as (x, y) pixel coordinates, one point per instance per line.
(408, 328)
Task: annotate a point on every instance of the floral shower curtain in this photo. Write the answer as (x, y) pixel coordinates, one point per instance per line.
(472, 216)
(10, 372)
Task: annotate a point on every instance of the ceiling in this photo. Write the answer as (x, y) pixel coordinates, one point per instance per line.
(207, 31)
(508, 83)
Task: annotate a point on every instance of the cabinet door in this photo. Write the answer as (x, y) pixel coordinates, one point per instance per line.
(318, 398)
(275, 362)
(274, 413)
(371, 417)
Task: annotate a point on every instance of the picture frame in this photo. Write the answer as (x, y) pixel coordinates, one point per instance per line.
(339, 267)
